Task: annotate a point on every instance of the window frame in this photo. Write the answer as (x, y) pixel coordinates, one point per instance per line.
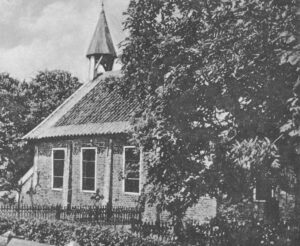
(254, 197)
(140, 169)
(255, 192)
(81, 170)
(52, 171)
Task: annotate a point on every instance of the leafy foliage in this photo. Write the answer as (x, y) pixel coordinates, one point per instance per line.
(220, 231)
(22, 107)
(206, 74)
(12, 116)
(59, 233)
(245, 163)
(45, 92)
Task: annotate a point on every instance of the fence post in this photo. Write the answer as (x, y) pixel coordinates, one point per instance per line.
(108, 211)
(97, 213)
(69, 208)
(57, 212)
(18, 210)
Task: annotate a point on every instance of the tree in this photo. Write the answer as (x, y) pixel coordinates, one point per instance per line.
(206, 74)
(42, 95)
(22, 107)
(12, 115)
(45, 92)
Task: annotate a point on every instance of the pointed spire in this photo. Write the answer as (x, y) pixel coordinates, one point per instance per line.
(101, 43)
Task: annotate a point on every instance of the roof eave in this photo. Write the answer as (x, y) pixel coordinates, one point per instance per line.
(76, 136)
(114, 55)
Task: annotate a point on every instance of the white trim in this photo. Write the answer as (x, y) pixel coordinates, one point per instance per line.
(81, 172)
(26, 176)
(254, 197)
(273, 194)
(52, 171)
(140, 164)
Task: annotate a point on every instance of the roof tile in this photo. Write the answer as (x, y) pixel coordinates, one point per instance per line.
(89, 111)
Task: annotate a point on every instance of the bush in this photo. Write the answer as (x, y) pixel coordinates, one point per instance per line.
(218, 232)
(60, 233)
(221, 232)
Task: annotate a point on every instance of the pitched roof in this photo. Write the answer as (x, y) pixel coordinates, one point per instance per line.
(101, 42)
(89, 111)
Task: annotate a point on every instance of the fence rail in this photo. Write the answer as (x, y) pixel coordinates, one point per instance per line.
(96, 214)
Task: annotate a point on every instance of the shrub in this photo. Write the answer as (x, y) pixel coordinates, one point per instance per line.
(218, 232)
(60, 233)
(221, 232)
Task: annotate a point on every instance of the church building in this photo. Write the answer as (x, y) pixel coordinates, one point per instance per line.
(81, 149)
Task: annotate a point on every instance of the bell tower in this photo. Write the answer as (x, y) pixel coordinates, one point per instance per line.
(101, 52)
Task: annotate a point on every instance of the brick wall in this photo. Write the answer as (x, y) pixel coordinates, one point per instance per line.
(120, 198)
(46, 195)
(80, 197)
(25, 198)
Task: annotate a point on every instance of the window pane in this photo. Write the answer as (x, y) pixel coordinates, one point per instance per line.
(57, 182)
(132, 169)
(132, 154)
(88, 154)
(88, 169)
(59, 154)
(132, 185)
(263, 189)
(132, 162)
(88, 184)
(58, 168)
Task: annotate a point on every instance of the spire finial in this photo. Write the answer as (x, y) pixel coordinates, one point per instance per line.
(102, 4)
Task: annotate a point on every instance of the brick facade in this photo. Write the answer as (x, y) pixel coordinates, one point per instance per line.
(44, 194)
(109, 178)
(109, 161)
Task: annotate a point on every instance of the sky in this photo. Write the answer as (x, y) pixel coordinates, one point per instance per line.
(53, 34)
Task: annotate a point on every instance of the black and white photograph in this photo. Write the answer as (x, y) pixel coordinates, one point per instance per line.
(149, 123)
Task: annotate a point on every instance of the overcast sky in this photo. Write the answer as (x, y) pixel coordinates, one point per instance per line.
(52, 34)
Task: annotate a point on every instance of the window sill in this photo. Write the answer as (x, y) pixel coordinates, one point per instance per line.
(259, 201)
(132, 193)
(57, 189)
(88, 191)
